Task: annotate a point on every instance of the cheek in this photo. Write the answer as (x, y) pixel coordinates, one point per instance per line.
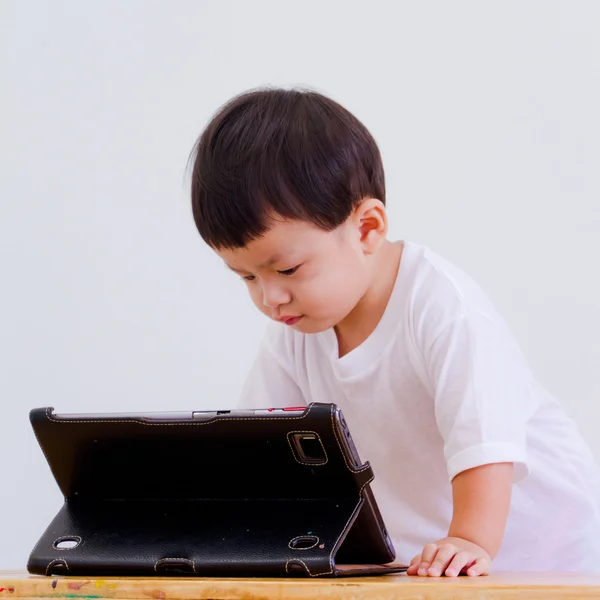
(256, 296)
(335, 291)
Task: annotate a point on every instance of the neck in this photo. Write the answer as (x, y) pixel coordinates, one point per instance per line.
(355, 328)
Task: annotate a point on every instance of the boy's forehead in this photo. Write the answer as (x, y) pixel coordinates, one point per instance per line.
(259, 253)
(282, 242)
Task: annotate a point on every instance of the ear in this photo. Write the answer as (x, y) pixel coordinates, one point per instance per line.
(371, 220)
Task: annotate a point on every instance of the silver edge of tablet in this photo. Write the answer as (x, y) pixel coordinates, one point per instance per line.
(174, 416)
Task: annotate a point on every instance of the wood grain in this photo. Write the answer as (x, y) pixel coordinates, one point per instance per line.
(502, 586)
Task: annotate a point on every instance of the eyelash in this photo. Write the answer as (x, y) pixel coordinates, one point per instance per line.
(286, 273)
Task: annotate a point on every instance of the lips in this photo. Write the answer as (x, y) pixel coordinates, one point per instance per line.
(290, 320)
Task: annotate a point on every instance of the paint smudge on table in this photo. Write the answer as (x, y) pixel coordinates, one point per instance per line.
(77, 586)
(156, 594)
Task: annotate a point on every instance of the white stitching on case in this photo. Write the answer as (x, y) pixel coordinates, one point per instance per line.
(294, 454)
(67, 537)
(299, 537)
(54, 562)
(296, 560)
(175, 560)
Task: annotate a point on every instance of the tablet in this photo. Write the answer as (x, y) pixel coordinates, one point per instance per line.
(262, 492)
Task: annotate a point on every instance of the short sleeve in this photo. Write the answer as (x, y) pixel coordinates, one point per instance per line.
(483, 393)
(270, 383)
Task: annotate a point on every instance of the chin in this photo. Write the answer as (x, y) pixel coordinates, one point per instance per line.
(307, 325)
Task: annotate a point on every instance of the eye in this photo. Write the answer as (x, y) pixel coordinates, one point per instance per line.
(289, 271)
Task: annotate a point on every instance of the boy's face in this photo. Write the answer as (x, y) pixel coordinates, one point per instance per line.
(302, 276)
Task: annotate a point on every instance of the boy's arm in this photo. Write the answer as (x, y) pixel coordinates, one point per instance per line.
(481, 499)
(483, 400)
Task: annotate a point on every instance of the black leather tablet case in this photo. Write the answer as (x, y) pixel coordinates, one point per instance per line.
(226, 497)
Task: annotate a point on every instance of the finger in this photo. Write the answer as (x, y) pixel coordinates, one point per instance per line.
(429, 553)
(427, 557)
(416, 560)
(414, 565)
(482, 566)
(458, 563)
(444, 555)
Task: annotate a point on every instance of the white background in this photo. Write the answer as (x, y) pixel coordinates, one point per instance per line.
(487, 117)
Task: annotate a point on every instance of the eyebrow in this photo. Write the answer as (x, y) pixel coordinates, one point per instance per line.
(232, 269)
(270, 262)
(266, 263)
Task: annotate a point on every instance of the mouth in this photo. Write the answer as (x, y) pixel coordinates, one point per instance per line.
(290, 320)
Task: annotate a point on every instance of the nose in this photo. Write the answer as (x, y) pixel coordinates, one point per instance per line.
(274, 295)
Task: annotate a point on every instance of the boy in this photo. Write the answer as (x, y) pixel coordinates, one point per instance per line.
(474, 460)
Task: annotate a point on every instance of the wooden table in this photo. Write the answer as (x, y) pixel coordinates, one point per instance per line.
(388, 587)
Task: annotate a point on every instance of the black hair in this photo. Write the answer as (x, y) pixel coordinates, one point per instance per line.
(293, 153)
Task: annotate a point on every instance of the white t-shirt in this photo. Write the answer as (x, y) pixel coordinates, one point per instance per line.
(441, 386)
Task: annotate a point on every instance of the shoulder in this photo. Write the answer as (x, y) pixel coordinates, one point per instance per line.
(438, 292)
(434, 279)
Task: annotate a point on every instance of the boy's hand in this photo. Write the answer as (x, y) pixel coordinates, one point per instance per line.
(451, 556)
(481, 502)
